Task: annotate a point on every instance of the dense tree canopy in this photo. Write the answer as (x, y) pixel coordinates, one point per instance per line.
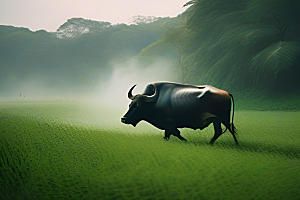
(238, 44)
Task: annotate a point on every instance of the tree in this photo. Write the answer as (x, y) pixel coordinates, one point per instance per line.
(139, 19)
(279, 20)
(176, 40)
(280, 16)
(78, 26)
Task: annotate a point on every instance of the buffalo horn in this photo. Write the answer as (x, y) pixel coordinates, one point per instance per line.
(130, 96)
(152, 97)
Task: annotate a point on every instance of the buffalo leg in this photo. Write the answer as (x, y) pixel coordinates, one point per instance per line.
(218, 131)
(232, 131)
(177, 134)
(172, 130)
(167, 135)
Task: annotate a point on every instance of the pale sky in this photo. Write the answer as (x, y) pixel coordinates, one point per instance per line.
(50, 14)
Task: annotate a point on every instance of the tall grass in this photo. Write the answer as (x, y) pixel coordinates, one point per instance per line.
(68, 151)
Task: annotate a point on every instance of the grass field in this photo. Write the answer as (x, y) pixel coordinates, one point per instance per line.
(68, 150)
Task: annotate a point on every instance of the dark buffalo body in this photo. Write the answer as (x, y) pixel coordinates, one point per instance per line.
(169, 106)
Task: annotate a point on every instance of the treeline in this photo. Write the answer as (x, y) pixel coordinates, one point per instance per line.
(237, 44)
(78, 54)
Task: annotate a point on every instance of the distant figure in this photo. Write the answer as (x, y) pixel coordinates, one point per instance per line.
(24, 95)
(20, 95)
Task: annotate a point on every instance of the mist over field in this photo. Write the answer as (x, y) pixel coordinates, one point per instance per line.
(127, 74)
(109, 89)
(103, 101)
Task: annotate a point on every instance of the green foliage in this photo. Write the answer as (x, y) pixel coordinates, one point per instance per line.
(277, 57)
(173, 44)
(70, 151)
(190, 3)
(240, 44)
(280, 15)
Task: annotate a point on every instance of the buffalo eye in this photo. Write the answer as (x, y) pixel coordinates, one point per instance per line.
(139, 104)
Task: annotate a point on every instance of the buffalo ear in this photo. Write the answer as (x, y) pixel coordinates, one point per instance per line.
(153, 97)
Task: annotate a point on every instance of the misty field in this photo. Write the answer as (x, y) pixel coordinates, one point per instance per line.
(71, 150)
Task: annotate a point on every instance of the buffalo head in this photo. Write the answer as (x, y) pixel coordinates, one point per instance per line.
(139, 106)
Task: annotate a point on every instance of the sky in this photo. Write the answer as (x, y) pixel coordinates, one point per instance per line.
(50, 14)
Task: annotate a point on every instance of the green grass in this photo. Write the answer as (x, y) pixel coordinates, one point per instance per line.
(60, 150)
(260, 100)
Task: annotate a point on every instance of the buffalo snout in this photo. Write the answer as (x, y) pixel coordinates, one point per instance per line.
(123, 119)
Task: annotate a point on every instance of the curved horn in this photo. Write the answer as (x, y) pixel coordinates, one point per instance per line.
(130, 96)
(152, 97)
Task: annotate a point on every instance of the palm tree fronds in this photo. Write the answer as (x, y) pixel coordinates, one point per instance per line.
(276, 57)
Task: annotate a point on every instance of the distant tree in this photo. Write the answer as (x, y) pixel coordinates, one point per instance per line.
(139, 19)
(78, 26)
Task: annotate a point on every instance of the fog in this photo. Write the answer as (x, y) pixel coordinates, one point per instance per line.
(103, 102)
(125, 75)
(110, 89)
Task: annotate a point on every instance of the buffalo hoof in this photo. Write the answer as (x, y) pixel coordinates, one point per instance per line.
(211, 142)
(166, 138)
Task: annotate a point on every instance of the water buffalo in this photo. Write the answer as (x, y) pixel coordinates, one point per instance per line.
(169, 106)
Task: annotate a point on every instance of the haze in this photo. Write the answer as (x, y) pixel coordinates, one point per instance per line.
(50, 14)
